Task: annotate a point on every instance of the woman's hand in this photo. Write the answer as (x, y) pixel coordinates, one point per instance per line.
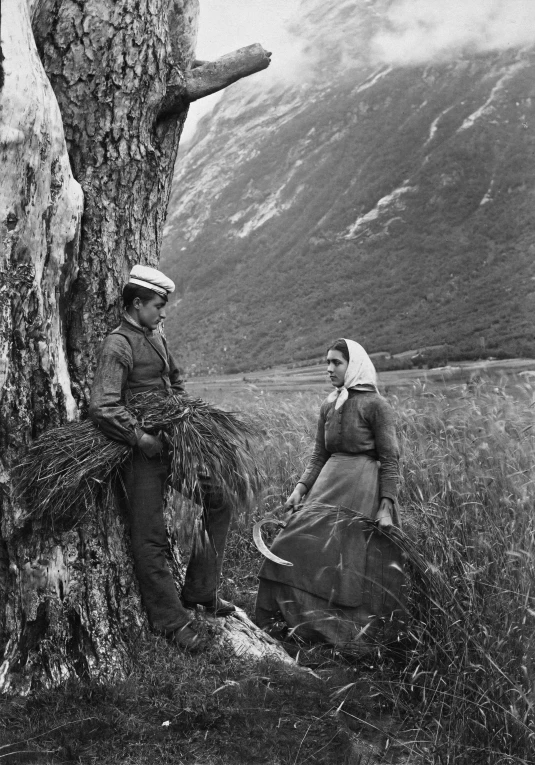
(384, 514)
(295, 498)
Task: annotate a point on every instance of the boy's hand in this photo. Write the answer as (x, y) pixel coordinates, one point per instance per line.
(150, 445)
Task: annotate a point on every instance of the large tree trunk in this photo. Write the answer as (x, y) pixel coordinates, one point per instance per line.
(68, 598)
(110, 63)
(40, 212)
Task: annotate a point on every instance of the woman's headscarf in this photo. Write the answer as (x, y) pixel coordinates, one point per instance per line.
(360, 374)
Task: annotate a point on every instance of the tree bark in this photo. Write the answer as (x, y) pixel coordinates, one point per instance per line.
(40, 212)
(68, 597)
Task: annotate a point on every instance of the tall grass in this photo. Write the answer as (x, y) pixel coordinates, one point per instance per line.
(467, 486)
(465, 689)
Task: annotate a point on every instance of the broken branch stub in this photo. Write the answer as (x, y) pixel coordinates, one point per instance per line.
(215, 75)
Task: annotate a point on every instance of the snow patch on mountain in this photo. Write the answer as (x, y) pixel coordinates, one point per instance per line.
(389, 203)
(492, 100)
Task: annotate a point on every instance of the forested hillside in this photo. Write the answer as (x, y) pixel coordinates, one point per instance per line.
(390, 204)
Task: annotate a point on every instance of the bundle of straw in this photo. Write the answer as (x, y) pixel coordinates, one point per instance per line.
(202, 440)
(66, 467)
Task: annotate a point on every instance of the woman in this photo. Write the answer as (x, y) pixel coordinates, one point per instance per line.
(345, 583)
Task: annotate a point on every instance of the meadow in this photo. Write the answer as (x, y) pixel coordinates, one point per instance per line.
(457, 687)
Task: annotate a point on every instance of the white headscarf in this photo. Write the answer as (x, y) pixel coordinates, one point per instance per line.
(360, 374)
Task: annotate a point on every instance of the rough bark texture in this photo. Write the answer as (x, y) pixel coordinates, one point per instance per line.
(68, 598)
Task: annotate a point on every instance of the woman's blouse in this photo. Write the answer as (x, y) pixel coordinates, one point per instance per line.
(364, 424)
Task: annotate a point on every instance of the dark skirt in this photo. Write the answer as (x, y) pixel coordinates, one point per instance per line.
(345, 586)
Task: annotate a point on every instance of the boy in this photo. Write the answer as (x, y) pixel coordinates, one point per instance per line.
(134, 358)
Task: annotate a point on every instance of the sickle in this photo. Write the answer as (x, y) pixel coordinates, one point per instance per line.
(259, 542)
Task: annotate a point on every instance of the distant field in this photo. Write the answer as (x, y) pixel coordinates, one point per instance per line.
(314, 378)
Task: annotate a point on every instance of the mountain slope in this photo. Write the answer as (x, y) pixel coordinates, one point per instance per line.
(390, 205)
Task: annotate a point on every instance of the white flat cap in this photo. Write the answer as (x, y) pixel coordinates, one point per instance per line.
(152, 279)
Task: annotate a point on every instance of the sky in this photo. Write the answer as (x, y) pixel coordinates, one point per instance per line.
(228, 24)
(411, 33)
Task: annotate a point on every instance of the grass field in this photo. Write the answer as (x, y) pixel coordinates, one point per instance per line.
(460, 686)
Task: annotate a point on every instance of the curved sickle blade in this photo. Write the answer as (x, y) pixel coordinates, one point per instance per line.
(261, 545)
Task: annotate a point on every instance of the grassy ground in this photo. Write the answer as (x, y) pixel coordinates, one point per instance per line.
(458, 689)
(176, 709)
(464, 691)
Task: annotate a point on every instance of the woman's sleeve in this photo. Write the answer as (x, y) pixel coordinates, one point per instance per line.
(386, 444)
(320, 455)
(106, 407)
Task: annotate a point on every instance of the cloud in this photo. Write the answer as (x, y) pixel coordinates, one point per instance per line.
(421, 31)
(314, 38)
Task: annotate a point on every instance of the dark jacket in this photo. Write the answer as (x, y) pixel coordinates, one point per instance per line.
(364, 424)
(132, 360)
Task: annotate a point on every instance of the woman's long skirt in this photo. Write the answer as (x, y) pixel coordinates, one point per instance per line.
(344, 587)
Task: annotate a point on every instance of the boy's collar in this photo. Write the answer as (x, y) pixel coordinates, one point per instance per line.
(133, 322)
